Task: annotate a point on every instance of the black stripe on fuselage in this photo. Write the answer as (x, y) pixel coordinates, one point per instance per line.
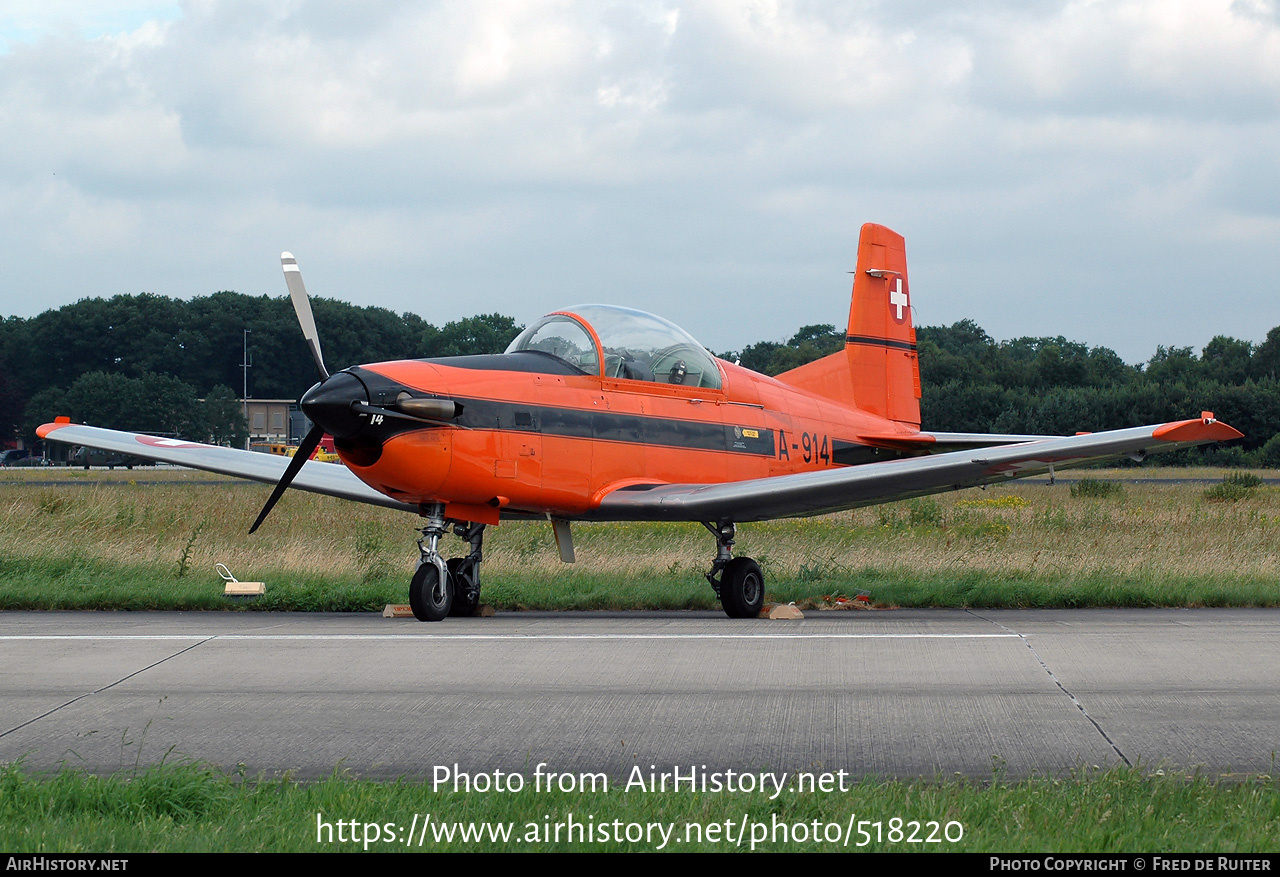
(616, 427)
(880, 342)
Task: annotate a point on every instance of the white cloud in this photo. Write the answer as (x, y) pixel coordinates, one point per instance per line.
(1190, 58)
(696, 158)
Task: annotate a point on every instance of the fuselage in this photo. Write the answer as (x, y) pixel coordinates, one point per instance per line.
(533, 436)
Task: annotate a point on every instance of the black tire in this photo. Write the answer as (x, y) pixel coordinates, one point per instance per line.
(742, 588)
(463, 605)
(426, 603)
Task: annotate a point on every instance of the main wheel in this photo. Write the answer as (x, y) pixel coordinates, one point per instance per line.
(742, 588)
(430, 598)
(466, 599)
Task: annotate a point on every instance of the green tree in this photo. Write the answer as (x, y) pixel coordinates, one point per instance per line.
(1226, 360)
(758, 357)
(1266, 359)
(810, 343)
(486, 333)
(224, 417)
(1271, 452)
(11, 405)
(151, 403)
(43, 407)
(1171, 364)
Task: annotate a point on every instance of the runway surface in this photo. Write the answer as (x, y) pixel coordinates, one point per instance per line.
(903, 693)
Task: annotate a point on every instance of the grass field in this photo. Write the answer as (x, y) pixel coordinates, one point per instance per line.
(130, 545)
(188, 808)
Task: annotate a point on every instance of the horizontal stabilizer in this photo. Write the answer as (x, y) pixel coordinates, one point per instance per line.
(942, 442)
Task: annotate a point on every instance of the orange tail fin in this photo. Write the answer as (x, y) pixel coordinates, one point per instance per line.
(878, 370)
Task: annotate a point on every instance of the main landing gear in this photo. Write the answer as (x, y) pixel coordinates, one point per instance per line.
(737, 581)
(440, 588)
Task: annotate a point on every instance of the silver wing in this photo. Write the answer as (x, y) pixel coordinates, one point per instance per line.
(832, 490)
(328, 478)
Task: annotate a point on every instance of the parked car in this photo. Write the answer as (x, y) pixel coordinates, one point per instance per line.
(13, 455)
(87, 457)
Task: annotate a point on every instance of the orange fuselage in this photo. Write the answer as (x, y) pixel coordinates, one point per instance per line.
(557, 444)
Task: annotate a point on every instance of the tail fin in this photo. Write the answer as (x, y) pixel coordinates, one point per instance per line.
(878, 370)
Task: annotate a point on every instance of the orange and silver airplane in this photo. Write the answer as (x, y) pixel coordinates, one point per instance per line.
(602, 413)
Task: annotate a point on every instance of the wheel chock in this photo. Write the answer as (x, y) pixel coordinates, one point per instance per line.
(785, 611)
(236, 589)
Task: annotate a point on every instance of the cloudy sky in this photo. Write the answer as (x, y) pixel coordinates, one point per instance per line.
(1107, 171)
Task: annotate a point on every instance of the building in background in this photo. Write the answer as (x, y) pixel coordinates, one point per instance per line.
(269, 420)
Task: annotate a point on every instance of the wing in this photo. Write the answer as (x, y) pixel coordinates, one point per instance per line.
(331, 479)
(831, 490)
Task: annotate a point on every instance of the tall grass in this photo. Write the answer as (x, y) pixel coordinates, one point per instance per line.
(1233, 487)
(1096, 488)
(1017, 544)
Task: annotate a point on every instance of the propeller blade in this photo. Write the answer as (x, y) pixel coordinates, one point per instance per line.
(302, 307)
(304, 452)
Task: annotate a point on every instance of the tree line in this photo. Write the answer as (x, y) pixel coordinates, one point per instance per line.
(140, 362)
(1051, 386)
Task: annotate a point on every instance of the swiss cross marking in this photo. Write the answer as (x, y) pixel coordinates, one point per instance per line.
(897, 298)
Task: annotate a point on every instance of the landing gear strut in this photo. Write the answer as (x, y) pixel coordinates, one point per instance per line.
(439, 588)
(737, 581)
(465, 571)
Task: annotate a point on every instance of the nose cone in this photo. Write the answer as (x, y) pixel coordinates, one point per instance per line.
(329, 402)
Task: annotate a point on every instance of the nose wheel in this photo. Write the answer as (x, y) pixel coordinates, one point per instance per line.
(441, 588)
(737, 581)
(430, 593)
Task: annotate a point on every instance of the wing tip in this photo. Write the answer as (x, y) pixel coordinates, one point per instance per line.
(44, 429)
(1205, 428)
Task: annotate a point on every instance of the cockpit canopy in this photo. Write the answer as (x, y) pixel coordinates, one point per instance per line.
(633, 345)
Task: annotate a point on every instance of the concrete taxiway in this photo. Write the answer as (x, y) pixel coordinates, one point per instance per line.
(902, 693)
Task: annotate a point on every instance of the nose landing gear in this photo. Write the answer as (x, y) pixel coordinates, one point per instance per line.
(442, 588)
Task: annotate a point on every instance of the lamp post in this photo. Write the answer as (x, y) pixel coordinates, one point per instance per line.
(244, 394)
